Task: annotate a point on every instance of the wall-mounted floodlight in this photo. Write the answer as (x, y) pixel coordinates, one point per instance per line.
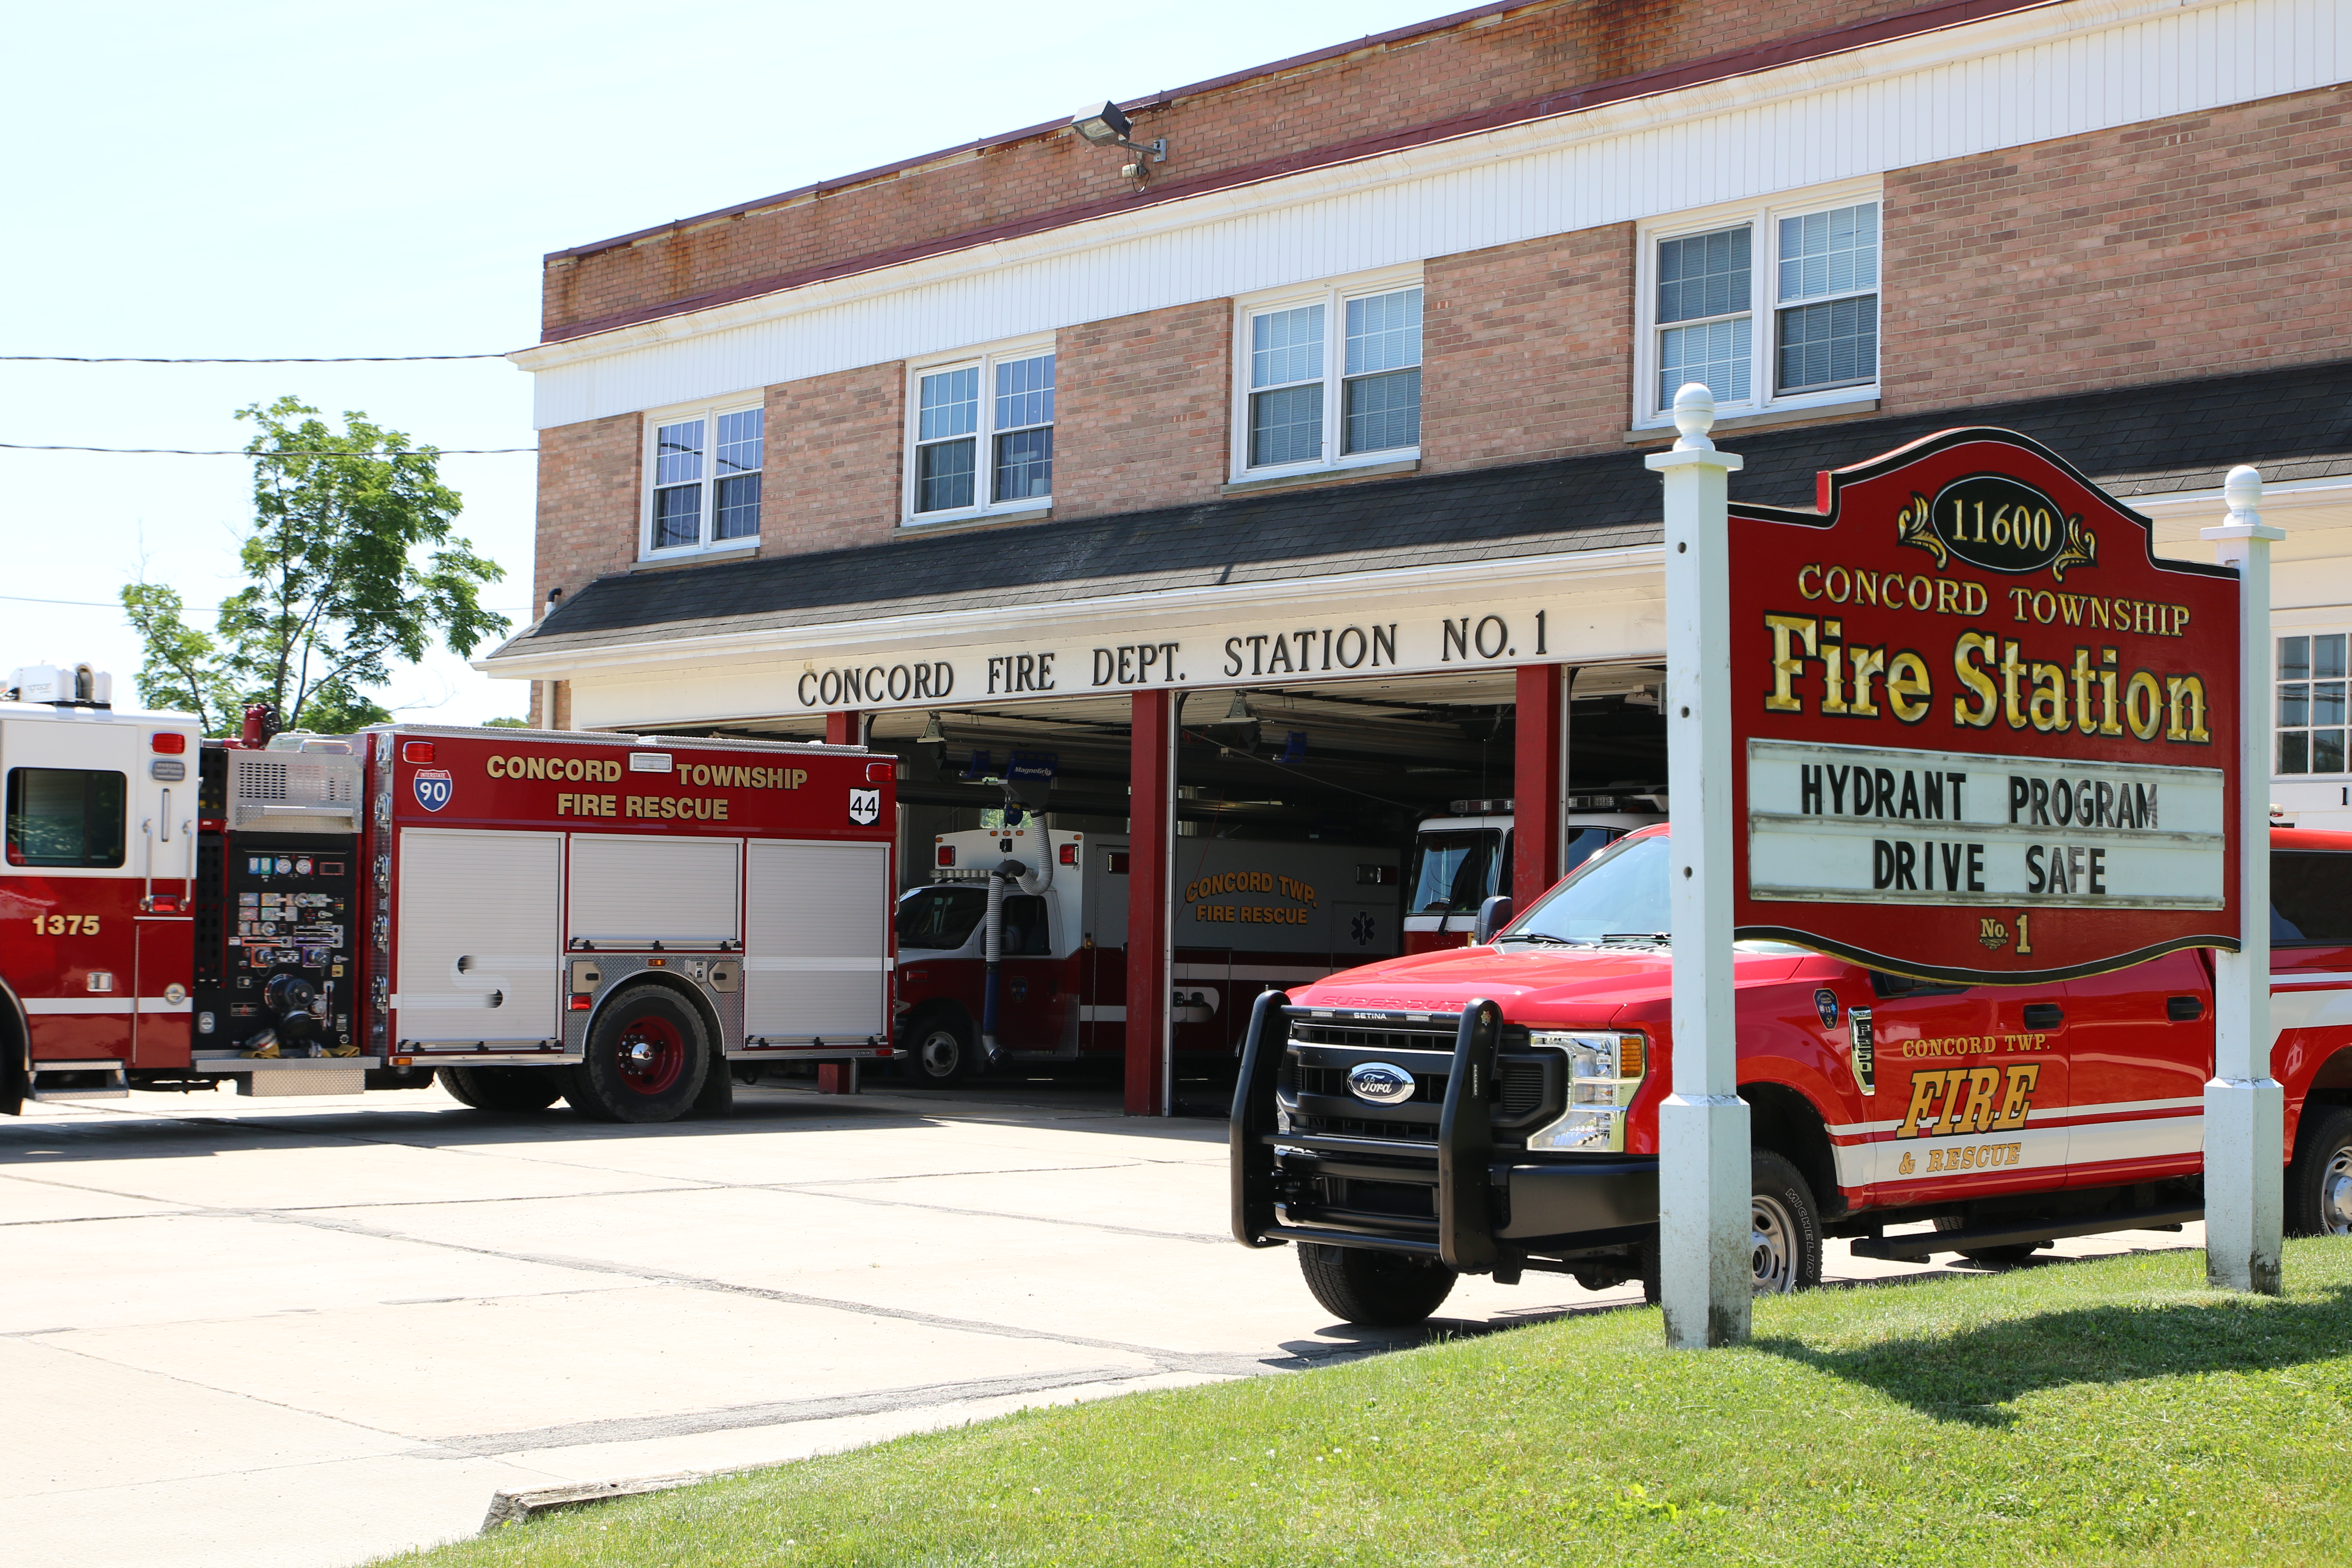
(1107, 127)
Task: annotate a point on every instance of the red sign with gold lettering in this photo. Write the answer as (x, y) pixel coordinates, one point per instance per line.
(1982, 730)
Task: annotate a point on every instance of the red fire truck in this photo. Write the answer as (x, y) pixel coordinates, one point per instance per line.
(1018, 947)
(1494, 1110)
(1462, 859)
(630, 923)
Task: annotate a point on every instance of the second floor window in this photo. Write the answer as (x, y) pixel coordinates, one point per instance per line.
(705, 479)
(2311, 704)
(1331, 378)
(984, 435)
(1779, 306)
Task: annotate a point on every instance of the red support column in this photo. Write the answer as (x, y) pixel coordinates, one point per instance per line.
(1150, 820)
(843, 729)
(836, 1078)
(1540, 785)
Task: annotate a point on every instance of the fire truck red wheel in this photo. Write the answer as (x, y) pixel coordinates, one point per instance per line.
(645, 1060)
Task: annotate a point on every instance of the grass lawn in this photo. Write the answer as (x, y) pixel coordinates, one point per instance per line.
(2107, 1412)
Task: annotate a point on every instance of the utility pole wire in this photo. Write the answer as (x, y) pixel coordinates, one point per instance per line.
(333, 359)
(241, 452)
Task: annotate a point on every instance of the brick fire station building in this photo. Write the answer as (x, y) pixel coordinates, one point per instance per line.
(1276, 467)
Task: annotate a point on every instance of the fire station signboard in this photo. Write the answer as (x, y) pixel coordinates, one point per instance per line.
(1981, 729)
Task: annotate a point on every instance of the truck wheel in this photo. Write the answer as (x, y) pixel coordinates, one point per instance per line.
(503, 1088)
(1377, 1289)
(2319, 1182)
(943, 1049)
(1784, 1229)
(1995, 1257)
(645, 1061)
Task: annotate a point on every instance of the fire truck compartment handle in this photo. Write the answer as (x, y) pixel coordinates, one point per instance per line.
(1466, 1145)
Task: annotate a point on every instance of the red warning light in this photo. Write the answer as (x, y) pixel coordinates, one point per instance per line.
(946, 854)
(169, 742)
(416, 751)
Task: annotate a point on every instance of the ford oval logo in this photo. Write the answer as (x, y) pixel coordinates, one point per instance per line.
(1383, 1083)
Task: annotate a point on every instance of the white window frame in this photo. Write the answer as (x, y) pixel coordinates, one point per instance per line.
(1763, 220)
(985, 360)
(709, 414)
(2283, 628)
(1333, 296)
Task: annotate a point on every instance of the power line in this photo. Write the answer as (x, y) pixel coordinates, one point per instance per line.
(241, 452)
(330, 359)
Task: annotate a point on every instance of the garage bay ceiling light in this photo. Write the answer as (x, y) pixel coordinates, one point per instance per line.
(1107, 127)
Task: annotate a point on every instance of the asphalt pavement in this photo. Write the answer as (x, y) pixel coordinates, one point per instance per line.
(308, 1332)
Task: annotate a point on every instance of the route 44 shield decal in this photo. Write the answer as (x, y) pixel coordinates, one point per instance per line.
(865, 806)
(433, 787)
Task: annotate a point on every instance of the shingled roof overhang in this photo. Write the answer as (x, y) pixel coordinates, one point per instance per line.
(2144, 441)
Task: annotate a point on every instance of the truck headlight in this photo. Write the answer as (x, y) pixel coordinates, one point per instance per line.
(1604, 1070)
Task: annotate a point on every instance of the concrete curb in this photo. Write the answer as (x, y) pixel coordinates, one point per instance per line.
(516, 1508)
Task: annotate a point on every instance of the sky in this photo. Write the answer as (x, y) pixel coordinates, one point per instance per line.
(312, 181)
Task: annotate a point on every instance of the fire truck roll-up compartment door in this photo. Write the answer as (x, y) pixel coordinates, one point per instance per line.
(635, 891)
(480, 950)
(816, 952)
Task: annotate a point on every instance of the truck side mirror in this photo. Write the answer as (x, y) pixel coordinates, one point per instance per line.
(1493, 916)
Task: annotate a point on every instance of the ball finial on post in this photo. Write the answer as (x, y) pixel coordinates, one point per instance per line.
(2244, 491)
(1695, 416)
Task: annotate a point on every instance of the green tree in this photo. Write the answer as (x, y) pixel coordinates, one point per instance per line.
(350, 565)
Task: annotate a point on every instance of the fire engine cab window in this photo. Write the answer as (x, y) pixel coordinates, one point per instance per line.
(1620, 893)
(66, 816)
(1453, 872)
(941, 918)
(2311, 899)
(1025, 935)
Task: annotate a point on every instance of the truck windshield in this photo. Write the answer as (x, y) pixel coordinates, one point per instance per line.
(941, 918)
(1620, 893)
(1453, 872)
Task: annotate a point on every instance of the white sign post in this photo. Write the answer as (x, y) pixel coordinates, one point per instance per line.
(2245, 1109)
(1705, 1187)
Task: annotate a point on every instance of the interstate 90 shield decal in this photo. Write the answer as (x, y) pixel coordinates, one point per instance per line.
(1981, 734)
(433, 787)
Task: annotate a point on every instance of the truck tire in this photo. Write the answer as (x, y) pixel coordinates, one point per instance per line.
(2319, 1182)
(1995, 1257)
(1377, 1289)
(942, 1049)
(1785, 1226)
(1784, 1231)
(503, 1088)
(644, 1060)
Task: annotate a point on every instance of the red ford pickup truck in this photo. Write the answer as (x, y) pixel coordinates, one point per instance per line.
(1402, 1137)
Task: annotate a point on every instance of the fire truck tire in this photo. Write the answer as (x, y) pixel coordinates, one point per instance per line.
(1784, 1232)
(2319, 1182)
(1994, 1256)
(503, 1088)
(942, 1049)
(1377, 1289)
(645, 1060)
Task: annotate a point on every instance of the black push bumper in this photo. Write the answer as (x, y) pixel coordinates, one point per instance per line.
(1488, 1210)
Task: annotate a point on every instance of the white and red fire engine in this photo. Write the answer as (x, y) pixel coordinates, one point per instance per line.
(1018, 947)
(631, 922)
(1462, 859)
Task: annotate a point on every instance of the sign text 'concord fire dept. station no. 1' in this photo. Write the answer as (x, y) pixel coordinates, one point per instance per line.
(1982, 732)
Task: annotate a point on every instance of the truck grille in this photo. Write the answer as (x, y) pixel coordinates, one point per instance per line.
(1531, 1087)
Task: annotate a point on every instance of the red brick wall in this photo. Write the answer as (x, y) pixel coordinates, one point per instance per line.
(1525, 350)
(2171, 248)
(1488, 62)
(833, 476)
(1141, 410)
(588, 476)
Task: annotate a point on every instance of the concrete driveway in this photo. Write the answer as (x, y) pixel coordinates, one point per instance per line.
(256, 1333)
